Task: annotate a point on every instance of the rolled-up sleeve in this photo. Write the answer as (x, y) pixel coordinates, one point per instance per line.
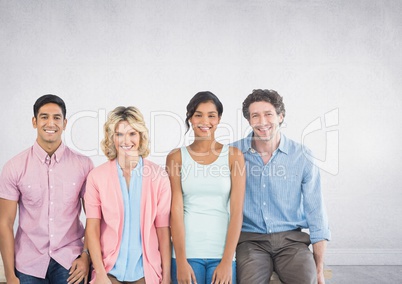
(313, 203)
(92, 198)
(164, 201)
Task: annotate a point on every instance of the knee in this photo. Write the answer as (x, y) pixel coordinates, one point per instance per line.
(253, 268)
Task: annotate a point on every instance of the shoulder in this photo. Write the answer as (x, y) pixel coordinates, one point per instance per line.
(23, 155)
(72, 154)
(235, 156)
(153, 171)
(294, 147)
(235, 151)
(237, 144)
(174, 155)
(18, 159)
(148, 163)
(153, 168)
(242, 144)
(100, 170)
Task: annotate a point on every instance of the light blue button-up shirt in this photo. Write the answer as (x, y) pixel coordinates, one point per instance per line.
(129, 266)
(284, 194)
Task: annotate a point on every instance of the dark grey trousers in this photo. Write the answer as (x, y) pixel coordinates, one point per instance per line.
(286, 253)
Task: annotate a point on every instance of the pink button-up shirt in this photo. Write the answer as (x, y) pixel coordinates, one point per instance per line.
(49, 192)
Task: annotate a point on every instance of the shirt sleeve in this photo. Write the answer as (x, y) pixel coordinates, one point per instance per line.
(164, 200)
(88, 166)
(9, 183)
(92, 198)
(313, 203)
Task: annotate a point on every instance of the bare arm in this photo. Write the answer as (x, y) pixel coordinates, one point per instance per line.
(92, 236)
(223, 273)
(318, 252)
(8, 211)
(165, 249)
(80, 267)
(184, 271)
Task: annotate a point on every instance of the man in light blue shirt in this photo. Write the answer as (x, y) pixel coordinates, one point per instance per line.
(283, 196)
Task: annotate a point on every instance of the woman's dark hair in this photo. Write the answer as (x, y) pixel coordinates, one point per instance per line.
(202, 97)
(47, 99)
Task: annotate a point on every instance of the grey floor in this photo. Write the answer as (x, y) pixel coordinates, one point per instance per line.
(365, 275)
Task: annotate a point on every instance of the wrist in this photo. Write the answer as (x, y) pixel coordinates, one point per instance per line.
(166, 277)
(9, 275)
(226, 260)
(85, 252)
(181, 259)
(85, 255)
(320, 268)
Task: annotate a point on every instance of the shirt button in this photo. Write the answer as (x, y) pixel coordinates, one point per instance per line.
(263, 185)
(50, 251)
(51, 236)
(50, 170)
(266, 218)
(51, 219)
(51, 203)
(270, 231)
(264, 203)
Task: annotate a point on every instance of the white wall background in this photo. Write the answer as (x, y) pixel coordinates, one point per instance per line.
(337, 58)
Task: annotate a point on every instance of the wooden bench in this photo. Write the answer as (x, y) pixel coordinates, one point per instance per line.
(275, 278)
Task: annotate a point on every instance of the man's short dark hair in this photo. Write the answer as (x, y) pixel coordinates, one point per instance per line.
(46, 99)
(269, 96)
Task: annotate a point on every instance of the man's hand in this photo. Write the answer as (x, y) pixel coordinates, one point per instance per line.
(79, 270)
(320, 277)
(318, 252)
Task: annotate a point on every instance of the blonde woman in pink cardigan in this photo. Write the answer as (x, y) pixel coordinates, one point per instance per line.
(127, 203)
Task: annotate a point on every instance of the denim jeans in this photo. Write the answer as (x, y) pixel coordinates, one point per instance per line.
(203, 269)
(56, 274)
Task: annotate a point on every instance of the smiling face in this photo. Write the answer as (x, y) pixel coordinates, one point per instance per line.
(264, 120)
(126, 140)
(50, 124)
(205, 120)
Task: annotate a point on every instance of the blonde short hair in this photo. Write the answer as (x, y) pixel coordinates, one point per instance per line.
(135, 119)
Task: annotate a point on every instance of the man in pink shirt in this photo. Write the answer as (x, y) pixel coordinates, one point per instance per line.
(46, 182)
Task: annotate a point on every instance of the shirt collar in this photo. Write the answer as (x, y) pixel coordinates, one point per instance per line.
(136, 170)
(283, 144)
(44, 156)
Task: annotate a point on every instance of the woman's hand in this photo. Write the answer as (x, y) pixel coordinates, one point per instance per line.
(222, 274)
(102, 278)
(185, 274)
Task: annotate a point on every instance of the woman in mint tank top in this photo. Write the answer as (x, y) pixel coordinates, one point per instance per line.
(208, 183)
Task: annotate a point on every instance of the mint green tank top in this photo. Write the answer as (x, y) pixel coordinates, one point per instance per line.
(206, 192)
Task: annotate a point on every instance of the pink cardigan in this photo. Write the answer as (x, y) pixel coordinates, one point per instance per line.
(103, 200)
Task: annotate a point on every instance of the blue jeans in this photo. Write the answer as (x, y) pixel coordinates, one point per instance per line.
(56, 274)
(203, 269)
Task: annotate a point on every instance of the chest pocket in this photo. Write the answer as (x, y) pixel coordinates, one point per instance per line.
(32, 195)
(286, 186)
(71, 192)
